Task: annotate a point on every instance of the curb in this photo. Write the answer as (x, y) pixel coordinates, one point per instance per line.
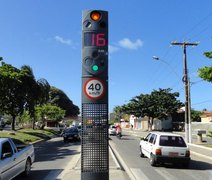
(207, 150)
(118, 165)
(121, 162)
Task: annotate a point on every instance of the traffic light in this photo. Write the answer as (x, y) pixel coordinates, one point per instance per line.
(95, 43)
(94, 111)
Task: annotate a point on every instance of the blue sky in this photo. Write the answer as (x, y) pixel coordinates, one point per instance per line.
(46, 35)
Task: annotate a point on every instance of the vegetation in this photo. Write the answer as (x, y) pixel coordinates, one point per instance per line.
(209, 134)
(206, 72)
(27, 136)
(195, 115)
(59, 98)
(159, 104)
(24, 97)
(49, 112)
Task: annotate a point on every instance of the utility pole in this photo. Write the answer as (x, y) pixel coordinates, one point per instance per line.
(187, 90)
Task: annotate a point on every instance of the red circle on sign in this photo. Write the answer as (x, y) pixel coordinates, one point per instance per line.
(94, 88)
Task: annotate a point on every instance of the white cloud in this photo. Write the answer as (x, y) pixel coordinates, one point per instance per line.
(113, 49)
(128, 44)
(62, 40)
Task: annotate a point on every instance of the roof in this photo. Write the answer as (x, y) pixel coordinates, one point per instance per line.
(206, 114)
(164, 133)
(3, 139)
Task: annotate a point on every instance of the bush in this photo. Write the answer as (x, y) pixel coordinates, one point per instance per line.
(209, 134)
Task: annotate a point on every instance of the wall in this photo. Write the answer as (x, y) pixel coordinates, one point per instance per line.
(201, 125)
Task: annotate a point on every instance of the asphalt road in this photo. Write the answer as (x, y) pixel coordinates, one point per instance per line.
(51, 158)
(128, 148)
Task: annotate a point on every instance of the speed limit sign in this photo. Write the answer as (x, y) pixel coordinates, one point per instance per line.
(94, 88)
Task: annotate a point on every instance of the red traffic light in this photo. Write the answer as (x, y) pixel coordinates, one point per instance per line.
(95, 15)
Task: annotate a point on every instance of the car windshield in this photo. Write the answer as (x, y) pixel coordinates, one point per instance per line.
(175, 141)
(71, 130)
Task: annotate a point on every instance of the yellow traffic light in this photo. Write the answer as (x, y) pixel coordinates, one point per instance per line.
(95, 15)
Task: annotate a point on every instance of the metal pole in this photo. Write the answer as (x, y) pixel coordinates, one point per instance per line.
(189, 112)
(186, 92)
(187, 89)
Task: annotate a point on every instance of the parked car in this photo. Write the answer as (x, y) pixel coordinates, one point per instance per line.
(161, 147)
(15, 160)
(112, 130)
(71, 134)
(2, 124)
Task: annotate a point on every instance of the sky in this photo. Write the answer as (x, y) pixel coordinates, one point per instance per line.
(47, 36)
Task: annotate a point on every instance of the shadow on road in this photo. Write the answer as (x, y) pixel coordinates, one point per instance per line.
(52, 151)
(200, 165)
(194, 165)
(35, 174)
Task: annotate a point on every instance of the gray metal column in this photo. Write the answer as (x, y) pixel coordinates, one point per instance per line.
(94, 152)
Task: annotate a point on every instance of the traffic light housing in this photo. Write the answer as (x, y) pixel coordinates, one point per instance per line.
(94, 111)
(95, 43)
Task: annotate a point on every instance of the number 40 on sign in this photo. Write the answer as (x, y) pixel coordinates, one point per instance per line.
(93, 88)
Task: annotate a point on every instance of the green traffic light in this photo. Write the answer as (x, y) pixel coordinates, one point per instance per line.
(95, 68)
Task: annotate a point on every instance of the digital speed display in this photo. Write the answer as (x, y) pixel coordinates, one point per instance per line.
(95, 39)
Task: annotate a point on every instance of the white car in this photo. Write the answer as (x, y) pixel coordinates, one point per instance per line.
(112, 130)
(15, 160)
(161, 147)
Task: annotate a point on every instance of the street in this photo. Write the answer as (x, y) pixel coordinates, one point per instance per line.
(128, 148)
(51, 158)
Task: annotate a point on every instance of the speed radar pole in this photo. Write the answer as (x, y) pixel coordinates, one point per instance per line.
(94, 149)
(187, 90)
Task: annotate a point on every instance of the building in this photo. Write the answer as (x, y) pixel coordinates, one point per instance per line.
(206, 117)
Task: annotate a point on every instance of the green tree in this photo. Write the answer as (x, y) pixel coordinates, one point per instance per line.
(206, 72)
(43, 91)
(50, 112)
(12, 99)
(195, 115)
(159, 104)
(59, 98)
(118, 110)
(33, 92)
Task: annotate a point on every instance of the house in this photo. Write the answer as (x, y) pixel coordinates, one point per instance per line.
(136, 123)
(206, 117)
(142, 123)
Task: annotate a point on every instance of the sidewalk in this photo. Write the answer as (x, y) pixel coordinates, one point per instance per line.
(73, 170)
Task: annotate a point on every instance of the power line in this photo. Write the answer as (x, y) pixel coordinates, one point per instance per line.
(202, 102)
(196, 25)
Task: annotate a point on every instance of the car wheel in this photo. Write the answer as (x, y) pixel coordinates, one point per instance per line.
(27, 168)
(141, 152)
(152, 160)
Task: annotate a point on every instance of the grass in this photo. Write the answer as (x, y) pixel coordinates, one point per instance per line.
(28, 136)
(209, 145)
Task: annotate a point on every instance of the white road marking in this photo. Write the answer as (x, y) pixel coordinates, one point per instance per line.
(138, 174)
(194, 175)
(165, 174)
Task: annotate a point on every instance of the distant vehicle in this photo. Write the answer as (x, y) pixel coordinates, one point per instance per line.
(15, 160)
(2, 124)
(161, 147)
(112, 130)
(71, 134)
